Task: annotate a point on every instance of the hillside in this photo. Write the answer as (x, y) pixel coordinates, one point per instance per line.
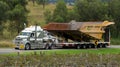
(36, 13)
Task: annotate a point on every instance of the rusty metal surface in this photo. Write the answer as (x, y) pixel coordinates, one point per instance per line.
(57, 26)
(69, 26)
(78, 30)
(64, 26)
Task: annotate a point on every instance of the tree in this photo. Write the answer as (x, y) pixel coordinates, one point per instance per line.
(114, 12)
(3, 13)
(42, 2)
(18, 16)
(48, 16)
(71, 15)
(17, 13)
(90, 10)
(33, 1)
(60, 12)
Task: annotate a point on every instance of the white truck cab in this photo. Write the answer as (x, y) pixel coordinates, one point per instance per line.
(34, 37)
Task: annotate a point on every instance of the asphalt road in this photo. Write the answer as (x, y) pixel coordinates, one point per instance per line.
(11, 50)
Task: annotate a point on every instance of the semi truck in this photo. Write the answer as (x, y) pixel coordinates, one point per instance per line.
(81, 34)
(34, 37)
(72, 34)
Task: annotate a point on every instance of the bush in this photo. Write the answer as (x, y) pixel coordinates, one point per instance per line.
(6, 44)
(115, 41)
(61, 60)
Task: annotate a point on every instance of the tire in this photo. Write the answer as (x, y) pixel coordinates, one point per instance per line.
(47, 46)
(16, 48)
(27, 47)
(51, 47)
(78, 47)
(92, 46)
(89, 46)
(104, 45)
(101, 45)
(84, 46)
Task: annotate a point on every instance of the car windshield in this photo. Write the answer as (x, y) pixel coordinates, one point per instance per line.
(25, 33)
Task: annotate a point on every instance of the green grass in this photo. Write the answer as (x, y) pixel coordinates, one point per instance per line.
(69, 51)
(78, 51)
(62, 58)
(115, 41)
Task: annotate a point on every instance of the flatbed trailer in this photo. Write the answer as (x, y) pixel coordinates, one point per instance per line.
(81, 34)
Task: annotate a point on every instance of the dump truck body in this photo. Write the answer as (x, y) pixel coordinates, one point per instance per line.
(80, 32)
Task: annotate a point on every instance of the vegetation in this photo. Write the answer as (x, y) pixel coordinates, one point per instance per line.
(76, 51)
(63, 58)
(42, 2)
(60, 12)
(95, 10)
(6, 44)
(15, 13)
(89, 10)
(115, 41)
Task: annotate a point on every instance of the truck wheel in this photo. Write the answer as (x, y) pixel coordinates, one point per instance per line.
(27, 47)
(51, 47)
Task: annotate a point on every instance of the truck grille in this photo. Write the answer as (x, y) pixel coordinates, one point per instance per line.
(18, 39)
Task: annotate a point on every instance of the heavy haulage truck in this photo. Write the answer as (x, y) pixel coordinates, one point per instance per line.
(34, 37)
(81, 34)
(73, 34)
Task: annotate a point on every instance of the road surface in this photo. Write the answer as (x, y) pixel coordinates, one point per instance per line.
(11, 50)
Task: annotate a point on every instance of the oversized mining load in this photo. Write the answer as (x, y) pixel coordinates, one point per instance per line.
(79, 31)
(81, 34)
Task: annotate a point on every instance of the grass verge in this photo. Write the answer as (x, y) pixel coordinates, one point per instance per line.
(115, 41)
(6, 44)
(64, 58)
(67, 51)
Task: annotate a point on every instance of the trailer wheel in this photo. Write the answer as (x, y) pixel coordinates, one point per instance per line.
(47, 46)
(84, 46)
(27, 47)
(101, 45)
(78, 46)
(104, 45)
(89, 46)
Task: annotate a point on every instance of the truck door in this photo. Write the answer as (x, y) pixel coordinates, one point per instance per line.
(40, 39)
(32, 40)
(36, 42)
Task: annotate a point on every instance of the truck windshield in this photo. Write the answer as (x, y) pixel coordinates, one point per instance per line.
(25, 33)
